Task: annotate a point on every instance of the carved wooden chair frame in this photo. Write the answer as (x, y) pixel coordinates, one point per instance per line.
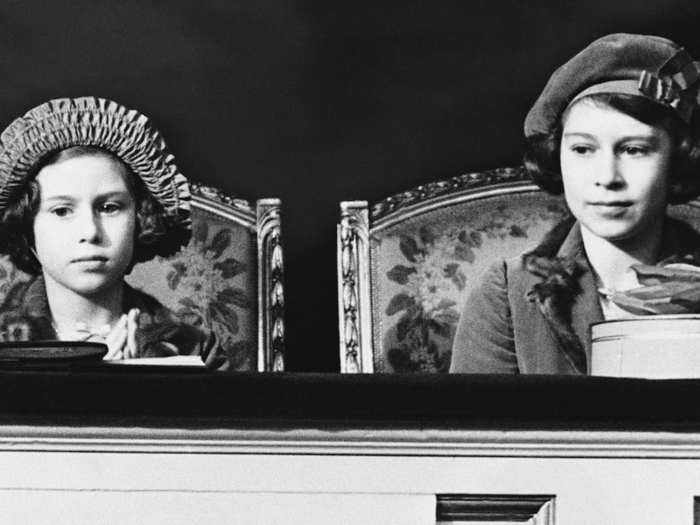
(263, 218)
(359, 222)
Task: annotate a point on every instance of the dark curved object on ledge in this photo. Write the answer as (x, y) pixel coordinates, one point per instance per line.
(51, 354)
(163, 397)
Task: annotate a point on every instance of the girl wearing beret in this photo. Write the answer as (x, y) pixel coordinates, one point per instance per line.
(616, 129)
(88, 189)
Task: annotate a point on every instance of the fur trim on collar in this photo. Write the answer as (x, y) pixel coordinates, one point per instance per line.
(554, 295)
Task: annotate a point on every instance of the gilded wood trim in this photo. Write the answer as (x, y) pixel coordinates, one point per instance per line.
(455, 185)
(354, 308)
(217, 202)
(270, 287)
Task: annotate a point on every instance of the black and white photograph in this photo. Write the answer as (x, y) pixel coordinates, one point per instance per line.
(391, 262)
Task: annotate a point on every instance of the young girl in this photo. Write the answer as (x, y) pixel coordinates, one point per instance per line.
(615, 129)
(88, 189)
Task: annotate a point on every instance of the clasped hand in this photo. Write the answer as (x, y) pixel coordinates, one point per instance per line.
(121, 340)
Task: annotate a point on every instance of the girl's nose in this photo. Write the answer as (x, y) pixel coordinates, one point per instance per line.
(89, 227)
(608, 173)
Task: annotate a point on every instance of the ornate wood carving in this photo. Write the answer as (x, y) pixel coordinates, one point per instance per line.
(354, 311)
(456, 184)
(215, 194)
(270, 287)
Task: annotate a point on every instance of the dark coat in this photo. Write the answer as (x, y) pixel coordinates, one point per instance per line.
(25, 316)
(532, 314)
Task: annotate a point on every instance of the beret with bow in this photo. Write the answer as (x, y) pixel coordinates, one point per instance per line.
(643, 65)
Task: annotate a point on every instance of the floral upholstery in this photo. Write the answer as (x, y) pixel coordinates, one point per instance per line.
(212, 282)
(424, 268)
(427, 248)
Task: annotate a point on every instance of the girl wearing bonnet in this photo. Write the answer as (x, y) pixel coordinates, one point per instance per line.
(87, 190)
(616, 129)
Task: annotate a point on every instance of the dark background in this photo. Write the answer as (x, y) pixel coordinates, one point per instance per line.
(316, 102)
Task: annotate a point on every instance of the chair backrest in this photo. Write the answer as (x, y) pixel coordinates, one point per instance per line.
(228, 278)
(406, 266)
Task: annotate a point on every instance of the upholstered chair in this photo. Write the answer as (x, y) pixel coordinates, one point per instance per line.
(227, 279)
(406, 265)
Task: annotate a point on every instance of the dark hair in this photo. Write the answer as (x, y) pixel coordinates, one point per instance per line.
(542, 150)
(156, 232)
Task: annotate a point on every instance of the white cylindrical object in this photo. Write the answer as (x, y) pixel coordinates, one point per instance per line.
(653, 347)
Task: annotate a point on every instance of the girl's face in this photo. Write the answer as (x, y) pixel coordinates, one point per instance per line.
(84, 229)
(615, 171)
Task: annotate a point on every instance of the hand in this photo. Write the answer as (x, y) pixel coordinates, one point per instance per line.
(121, 341)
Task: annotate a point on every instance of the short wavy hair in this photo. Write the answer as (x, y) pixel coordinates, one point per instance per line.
(156, 232)
(542, 150)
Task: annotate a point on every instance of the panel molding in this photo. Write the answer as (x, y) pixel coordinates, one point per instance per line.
(516, 508)
(368, 442)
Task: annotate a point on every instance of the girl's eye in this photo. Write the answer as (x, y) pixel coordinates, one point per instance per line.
(110, 207)
(60, 211)
(635, 150)
(582, 149)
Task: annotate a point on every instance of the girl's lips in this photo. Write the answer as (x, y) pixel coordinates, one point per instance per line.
(613, 204)
(91, 263)
(611, 208)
